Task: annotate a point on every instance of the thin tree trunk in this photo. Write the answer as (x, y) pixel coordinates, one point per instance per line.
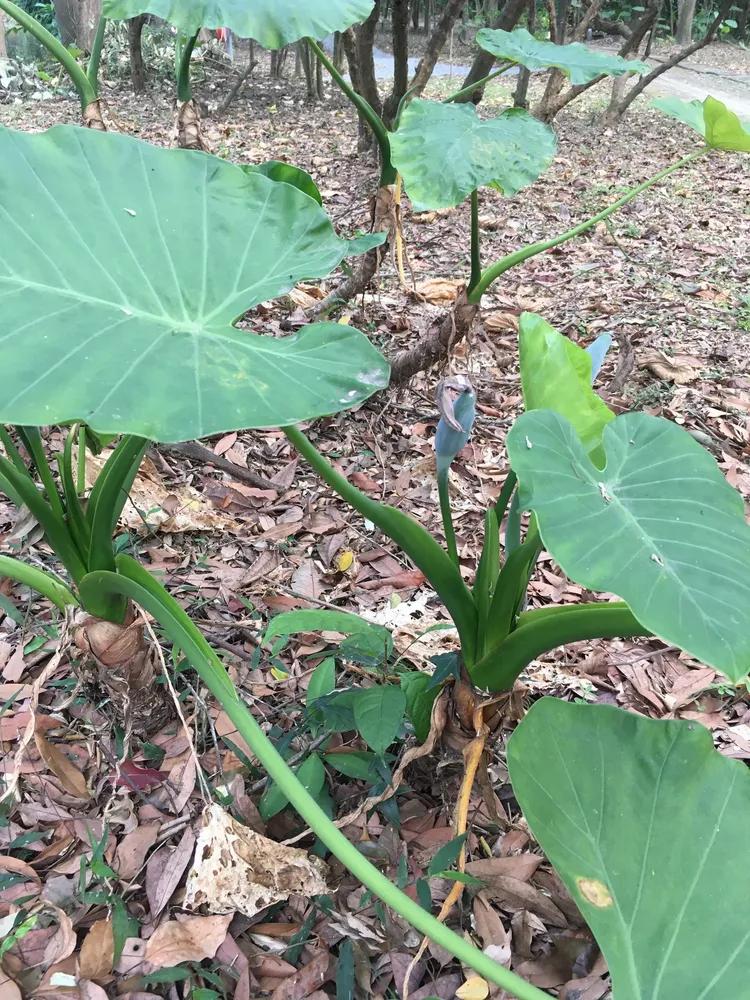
(684, 33)
(66, 16)
(365, 137)
(137, 65)
(89, 12)
(451, 13)
(562, 21)
(427, 16)
(319, 79)
(339, 54)
(484, 61)
(614, 114)
(520, 98)
(3, 49)
(415, 14)
(368, 84)
(400, 36)
(237, 86)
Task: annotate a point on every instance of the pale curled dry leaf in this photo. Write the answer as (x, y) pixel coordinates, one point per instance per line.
(501, 322)
(438, 291)
(677, 369)
(166, 508)
(188, 940)
(236, 868)
(475, 988)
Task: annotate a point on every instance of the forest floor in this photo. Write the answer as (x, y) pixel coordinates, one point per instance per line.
(669, 276)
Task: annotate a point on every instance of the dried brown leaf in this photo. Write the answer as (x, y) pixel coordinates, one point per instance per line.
(675, 369)
(520, 866)
(133, 848)
(305, 981)
(513, 894)
(164, 871)
(438, 291)
(189, 940)
(72, 780)
(97, 951)
(8, 989)
(236, 868)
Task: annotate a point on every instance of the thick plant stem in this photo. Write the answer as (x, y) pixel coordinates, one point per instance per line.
(447, 515)
(499, 268)
(540, 631)
(56, 49)
(46, 584)
(184, 90)
(476, 261)
(137, 584)
(92, 71)
(388, 172)
(479, 83)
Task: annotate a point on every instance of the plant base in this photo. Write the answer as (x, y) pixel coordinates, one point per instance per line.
(189, 134)
(438, 342)
(92, 117)
(122, 664)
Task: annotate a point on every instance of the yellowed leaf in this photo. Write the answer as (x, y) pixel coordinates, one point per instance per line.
(66, 773)
(474, 988)
(345, 320)
(189, 940)
(345, 560)
(302, 298)
(97, 951)
(236, 868)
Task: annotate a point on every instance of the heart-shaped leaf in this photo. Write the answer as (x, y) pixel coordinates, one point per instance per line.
(556, 375)
(445, 151)
(272, 23)
(646, 823)
(378, 712)
(578, 62)
(659, 526)
(129, 268)
(720, 127)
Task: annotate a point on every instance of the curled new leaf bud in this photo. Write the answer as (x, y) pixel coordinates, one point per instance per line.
(457, 415)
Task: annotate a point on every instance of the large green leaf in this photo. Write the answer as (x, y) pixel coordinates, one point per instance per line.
(720, 127)
(660, 527)
(556, 375)
(273, 23)
(378, 712)
(445, 151)
(578, 62)
(647, 826)
(123, 269)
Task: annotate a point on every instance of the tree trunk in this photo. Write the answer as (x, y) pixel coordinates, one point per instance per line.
(484, 61)
(365, 139)
(684, 32)
(400, 36)
(137, 65)
(368, 84)
(66, 16)
(320, 90)
(615, 112)
(3, 50)
(339, 54)
(427, 16)
(520, 98)
(308, 59)
(415, 14)
(451, 13)
(89, 12)
(562, 21)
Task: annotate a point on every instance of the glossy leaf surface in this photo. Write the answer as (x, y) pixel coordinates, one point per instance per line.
(445, 151)
(646, 823)
(273, 23)
(578, 62)
(130, 265)
(659, 526)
